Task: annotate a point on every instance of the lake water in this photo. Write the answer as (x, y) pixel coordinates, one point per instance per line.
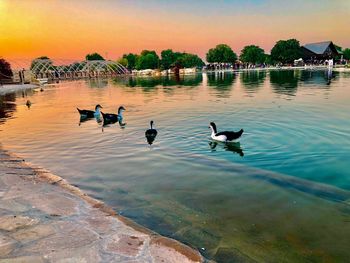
(282, 194)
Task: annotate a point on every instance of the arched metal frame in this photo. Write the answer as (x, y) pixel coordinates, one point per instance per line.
(46, 67)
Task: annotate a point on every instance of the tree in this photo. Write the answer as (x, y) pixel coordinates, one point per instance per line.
(184, 60)
(169, 58)
(252, 54)
(286, 51)
(123, 62)
(146, 52)
(94, 56)
(131, 58)
(268, 59)
(340, 51)
(338, 48)
(5, 69)
(222, 53)
(147, 60)
(346, 53)
(190, 61)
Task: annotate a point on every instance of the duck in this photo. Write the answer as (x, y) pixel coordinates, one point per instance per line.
(90, 113)
(28, 103)
(113, 118)
(151, 134)
(224, 136)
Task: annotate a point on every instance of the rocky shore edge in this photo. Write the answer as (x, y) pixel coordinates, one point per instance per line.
(45, 219)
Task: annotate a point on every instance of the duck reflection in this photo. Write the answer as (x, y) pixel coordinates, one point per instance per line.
(105, 124)
(108, 123)
(234, 147)
(150, 139)
(83, 119)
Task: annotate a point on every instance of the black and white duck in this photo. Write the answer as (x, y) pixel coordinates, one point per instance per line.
(90, 113)
(224, 136)
(113, 118)
(151, 134)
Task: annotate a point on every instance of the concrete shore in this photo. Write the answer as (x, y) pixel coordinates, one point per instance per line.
(5, 89)
(45, 219)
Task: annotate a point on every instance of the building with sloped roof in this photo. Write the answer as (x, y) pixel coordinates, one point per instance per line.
(319, 51)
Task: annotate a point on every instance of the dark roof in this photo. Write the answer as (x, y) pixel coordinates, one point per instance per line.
(318, 48)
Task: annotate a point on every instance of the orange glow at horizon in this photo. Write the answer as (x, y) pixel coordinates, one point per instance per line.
(62, 29)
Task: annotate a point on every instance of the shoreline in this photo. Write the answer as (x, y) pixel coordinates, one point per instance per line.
(44, 218)
(157, 73)
(12, 88)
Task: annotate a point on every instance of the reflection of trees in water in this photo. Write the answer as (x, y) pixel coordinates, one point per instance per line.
(321, 78)
(307, 75)
(190, 80)
(287, 82)
(7, 106)
(97, 83)
(150, 83)
(252, 80)
(221, 82)
(284, 81)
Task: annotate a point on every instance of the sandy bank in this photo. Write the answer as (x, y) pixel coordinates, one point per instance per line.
(45, 219)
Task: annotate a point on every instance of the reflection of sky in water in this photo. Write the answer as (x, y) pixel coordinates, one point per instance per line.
(294, 206)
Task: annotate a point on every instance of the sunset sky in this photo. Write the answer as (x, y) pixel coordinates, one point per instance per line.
(71, 29)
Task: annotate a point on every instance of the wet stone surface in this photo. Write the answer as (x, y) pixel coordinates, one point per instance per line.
(44, 219)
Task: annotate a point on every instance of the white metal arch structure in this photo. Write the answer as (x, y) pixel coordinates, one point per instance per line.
(87, 67)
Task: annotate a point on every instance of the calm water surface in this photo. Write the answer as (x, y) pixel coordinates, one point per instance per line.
(282, 194)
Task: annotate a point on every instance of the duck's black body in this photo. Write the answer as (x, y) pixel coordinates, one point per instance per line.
(231, 135)
(87, 113)
(151, 134)
(110, 117)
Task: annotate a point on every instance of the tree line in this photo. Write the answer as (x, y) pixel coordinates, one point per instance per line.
(148, 59)
(283, 52)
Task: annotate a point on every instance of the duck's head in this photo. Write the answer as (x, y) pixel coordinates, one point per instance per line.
(98, 107)
(121, 109)
(212, 126)
(151, 123)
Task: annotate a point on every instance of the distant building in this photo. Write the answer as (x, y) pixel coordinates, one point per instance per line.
(319, 51)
